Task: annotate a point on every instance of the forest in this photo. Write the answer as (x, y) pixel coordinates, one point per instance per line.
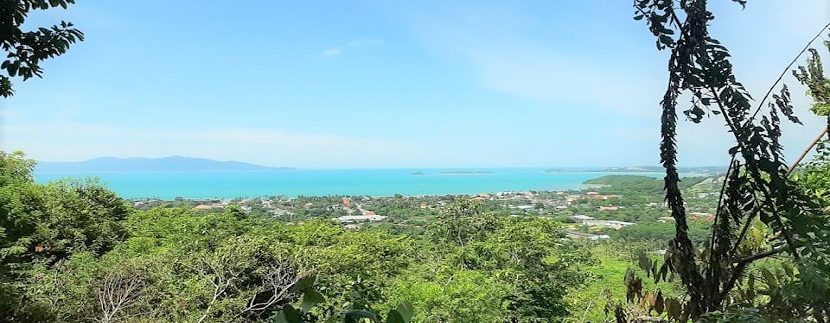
(751, 244)
(74, 251)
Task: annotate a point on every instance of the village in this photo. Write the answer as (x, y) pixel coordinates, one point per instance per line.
(590, 214)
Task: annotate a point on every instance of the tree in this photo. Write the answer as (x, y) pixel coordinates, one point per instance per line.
(526, 255)
(757, 195)
(15, 168)
(25, 50)
(119, 291)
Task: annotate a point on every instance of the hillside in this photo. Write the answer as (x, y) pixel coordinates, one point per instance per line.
(165, 164)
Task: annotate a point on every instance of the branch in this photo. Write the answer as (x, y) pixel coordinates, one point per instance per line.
(755, 174)
(747, 224)
(761, 255)
(784, 72)
(712, 271)
(743, 262)
(720, 198)
(118, 293)
(806, 151)
(279, 280)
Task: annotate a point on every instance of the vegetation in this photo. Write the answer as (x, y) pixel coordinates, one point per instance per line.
(73, 251)
(762, 213)
(25, 50)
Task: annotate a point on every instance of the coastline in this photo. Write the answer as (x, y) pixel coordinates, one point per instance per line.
(359, 182)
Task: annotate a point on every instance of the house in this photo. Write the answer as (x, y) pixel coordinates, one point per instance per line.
(571, 198)
(603, 197)
(609, 208)
(359, 218)
(587, 220)
(589, 236)
(701, 216)
(665, 219)
(281, 212)
(206, 207)
(609, 223)
(581, 218)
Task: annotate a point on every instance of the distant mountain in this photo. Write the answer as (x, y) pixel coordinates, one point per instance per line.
(165, 164)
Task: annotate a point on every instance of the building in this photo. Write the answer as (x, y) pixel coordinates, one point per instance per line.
(359, 218)
(701, 216)
(587, 220)
(665, 219)
(581, 218)
(588, 236)
(206, 207)
(610, 224)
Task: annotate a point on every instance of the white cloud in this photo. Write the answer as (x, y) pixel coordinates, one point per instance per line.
(509, 50)
(331, 52)
(504, 51)
(564, 81)
(353, 44)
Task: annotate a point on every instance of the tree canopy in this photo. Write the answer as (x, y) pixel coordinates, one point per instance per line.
(26, 49)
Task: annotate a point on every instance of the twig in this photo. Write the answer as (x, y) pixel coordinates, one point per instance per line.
(761, 255)
(784, 72)
(743, 262)
(807, 151)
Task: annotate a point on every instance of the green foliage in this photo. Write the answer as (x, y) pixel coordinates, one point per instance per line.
(48, 223)
(757, 188)
(817, 84)
(526, 254)
(73, 251)
(662, 232)
(453, 295)
(25, 50)
(15, 168)
(641, 185)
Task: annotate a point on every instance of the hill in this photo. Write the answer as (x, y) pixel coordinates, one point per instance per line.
(701, 170)
(165, 164)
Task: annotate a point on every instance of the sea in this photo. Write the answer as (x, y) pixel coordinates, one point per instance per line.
(320, 182)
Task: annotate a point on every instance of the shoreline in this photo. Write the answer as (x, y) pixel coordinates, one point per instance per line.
(372, 183)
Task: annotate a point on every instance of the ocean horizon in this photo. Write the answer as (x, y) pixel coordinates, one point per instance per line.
(321, 182)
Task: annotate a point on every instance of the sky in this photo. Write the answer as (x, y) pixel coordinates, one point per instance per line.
(385, 84)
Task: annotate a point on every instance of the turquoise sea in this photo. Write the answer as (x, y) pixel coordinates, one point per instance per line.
(373, 182)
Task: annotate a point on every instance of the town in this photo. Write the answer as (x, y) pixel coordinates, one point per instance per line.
(597, 212)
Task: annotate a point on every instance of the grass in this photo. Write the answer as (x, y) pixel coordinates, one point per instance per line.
(607, 278)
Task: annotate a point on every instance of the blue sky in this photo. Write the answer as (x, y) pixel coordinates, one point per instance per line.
(343, 84)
